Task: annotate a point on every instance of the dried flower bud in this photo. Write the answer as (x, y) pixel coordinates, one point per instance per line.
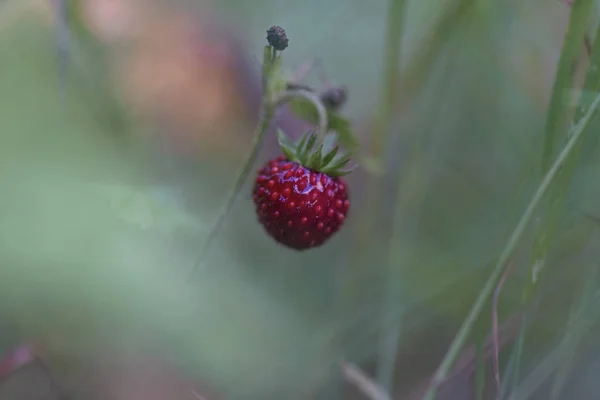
(335, 97)
(277, 38)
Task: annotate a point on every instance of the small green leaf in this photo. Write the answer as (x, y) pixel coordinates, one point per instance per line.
(314, 161)
(337, 164)
(302, 142)
(311, 142)
(329, 156)
(341, 172)
(287, 145)
(312, 139)
(284, 139)
(289, 153)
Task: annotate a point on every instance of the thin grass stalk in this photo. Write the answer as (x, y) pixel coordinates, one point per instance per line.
(558, 194)
(419, 67)
(544, 369)
(581, 12)
(508, 372)
(390, 337)
(544, 237)
(573, 334)
(484, 295)
(537, 377)
(518, 350)
(574, 331)
(405, 176)
(495, 334)
(370, 227)
(479, 365)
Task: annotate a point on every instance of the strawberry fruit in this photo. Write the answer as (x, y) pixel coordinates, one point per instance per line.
(300, 197)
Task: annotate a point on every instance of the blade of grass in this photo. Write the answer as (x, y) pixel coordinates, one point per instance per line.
(495, 335)
(371, 230)
(358, 378)
(389, 341)
(455, 348)
(420, 64)
(479, 366)
(508, 371)
(577, 28)
(554, 360)
(574, 330)
(464, 367)
(406, 176)
(558, 194)
(576, 324)
(537, 377)
(518, 350)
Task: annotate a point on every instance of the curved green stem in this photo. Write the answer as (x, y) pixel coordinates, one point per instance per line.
(270, 106)
(314, 98)
(469, 322)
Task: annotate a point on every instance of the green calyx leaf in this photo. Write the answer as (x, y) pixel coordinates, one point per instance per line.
(335, 167)
(329, 156)
(315, 159)
(330, 161)
(304, 152)
(302, 141)
(287, 146)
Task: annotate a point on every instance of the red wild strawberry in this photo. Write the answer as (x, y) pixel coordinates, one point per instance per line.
(300, 197)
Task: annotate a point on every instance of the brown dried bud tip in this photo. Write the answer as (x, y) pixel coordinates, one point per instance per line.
(334, 97)
(277, 38)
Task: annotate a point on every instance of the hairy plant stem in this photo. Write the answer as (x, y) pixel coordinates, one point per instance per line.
(487, 290)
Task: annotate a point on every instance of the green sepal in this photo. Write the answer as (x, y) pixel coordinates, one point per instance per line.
(332, 163)
(304, 153)
(302, 142)
(329, 156)
(312, 139)
(337, 164)
(287, 146)
(314, 162)
(341, 172)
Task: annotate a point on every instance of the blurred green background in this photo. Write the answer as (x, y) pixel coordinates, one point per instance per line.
(114, 168)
